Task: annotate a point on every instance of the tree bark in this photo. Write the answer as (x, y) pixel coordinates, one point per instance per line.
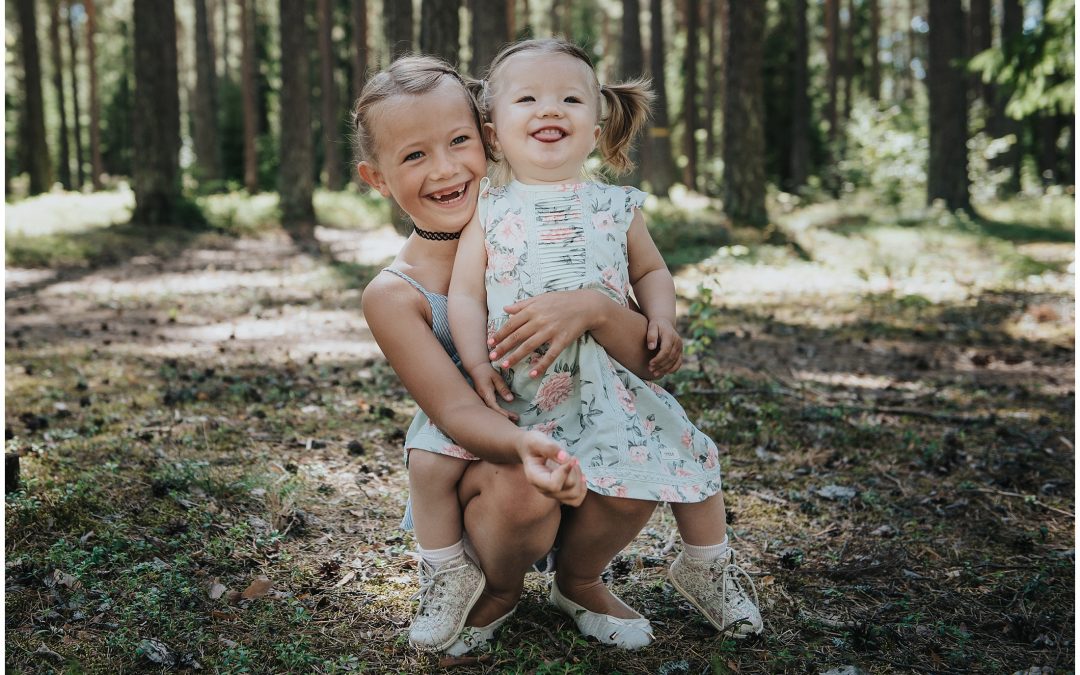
(947, 177)
(690, 89)
(631, 65)
(660, 165)
(1047, 132)
(398, 19)
(800, 102)
(247, 93)
(205, 109)
(331, 114)
(832, 42)
(96, 167)
(296, 182)
(225, 40)
(1012, 25)
(980, 38)
(711, 85)
(849, 60)
(489, 31)
(156, 170)
(76, 127)
(744, 133)
(359, 53)
(440, 29)
(64, 159)
(875, 61)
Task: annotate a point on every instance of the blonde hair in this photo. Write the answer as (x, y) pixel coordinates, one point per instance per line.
(409, 75)
(627, 102)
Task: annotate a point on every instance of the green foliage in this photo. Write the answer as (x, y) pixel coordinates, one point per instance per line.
(887, 152)
(1036, 68)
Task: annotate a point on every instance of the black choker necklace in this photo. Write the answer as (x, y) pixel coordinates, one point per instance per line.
(436, 236)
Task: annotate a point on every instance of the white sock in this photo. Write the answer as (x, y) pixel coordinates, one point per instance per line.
(707, 553)
(437, 556)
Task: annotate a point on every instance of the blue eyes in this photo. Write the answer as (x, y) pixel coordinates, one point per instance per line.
(530, 99)
(413, 155)
(459, 140)
(417, 154)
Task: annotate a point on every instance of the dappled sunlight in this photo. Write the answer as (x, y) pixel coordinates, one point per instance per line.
(59, 211)
(372, 247)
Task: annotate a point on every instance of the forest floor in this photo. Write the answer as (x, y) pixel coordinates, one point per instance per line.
(212, 474)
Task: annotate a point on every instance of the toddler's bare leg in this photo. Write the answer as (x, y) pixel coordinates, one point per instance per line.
(591, 536)
(510, 526)
(433, 484)
(703, 523)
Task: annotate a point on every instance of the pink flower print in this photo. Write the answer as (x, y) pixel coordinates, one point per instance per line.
(603, 481)
(502, 266)
(687, 438)
(683, 473)
(546, 427)
(554, 390)
(656, 389)
(712, 456)
(511, 229)
(491, 329)
(620, 491)
(611, 278)
(692, 492)
(648, 426)
(454, 450)
(603, 222)
(639, 454)
(670, 494)
(626, 399)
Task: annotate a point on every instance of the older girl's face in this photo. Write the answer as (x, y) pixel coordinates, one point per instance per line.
(428, 156)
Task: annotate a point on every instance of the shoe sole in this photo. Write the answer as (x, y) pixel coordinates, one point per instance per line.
(461, 624)
(722, 629)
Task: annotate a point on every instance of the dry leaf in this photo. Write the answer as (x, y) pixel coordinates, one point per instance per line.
(222, 616)
(232, 597)
(216, 590)
(257, 589)
(345, 579)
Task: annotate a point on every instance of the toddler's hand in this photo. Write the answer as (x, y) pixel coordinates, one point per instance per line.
(490, 386)
(551, 470)
(662, 337)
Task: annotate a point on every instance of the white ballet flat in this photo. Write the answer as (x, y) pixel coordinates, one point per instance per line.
(610, 630)
(472, 637)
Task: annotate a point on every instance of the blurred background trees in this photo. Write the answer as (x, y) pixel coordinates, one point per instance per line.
(959, 100)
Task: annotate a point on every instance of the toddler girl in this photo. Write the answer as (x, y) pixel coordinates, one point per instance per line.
(551, 229)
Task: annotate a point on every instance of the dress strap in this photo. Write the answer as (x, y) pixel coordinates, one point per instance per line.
(413, 282)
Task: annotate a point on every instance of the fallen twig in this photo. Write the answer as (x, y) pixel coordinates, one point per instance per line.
(1026, 498)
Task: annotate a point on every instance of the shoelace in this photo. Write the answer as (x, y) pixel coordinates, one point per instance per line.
(429, 582)
(730, 574)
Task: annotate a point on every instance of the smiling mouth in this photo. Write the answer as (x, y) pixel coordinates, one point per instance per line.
(451, 196)
(549, 134)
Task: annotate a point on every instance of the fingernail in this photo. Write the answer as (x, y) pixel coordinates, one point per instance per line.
(508, 397)
(505, 364)
(561, 456)
(493, 355)
(533, 373)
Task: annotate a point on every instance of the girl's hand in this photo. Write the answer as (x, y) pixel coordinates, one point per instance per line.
(556, 319)
(551, 470)
(663, 337)
(490, 386)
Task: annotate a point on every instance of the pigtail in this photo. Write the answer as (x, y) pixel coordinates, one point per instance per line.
(628, 110)
(478, 97)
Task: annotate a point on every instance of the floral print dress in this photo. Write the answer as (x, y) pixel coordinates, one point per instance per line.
(631, 436)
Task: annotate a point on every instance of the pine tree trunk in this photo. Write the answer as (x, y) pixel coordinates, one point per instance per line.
(156, 118)
(225, 75)
(296, 182)
(398, 18)
(38, 164)
(744, 105)
(440, 29)
(76, 127)
(632, 65)
(875, 61)
(800, 102)
(832, 43)
(207, 148)
(331, 113)
(947, 175)
(489, 31)
(64, 160)
(359, 53)
(690, 89)
(849, 60)
(980, 38)
(247, 93)
(711, 85)
(659, 164)
(1047, 132)
(96, 167)
(1012, 25)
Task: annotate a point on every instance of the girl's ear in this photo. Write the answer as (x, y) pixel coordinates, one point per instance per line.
(373, 177)
(491, 137)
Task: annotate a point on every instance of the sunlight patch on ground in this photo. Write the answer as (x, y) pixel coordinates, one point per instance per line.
(68, 212)
(16, 277)
(362, 247)
(181, 283)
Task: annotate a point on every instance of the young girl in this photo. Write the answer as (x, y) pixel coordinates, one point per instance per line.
(417, 133)
(550, 229)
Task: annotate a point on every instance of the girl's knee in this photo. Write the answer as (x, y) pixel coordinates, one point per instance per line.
(522, 498)
(430, 468)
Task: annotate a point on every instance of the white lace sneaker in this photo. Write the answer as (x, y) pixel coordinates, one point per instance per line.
(472, 637)
(610, 630)
(446, 595)
(716, 589)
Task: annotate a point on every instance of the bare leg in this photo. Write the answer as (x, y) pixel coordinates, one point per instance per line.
(511, 526)
(591, 536)
(703, 523)
(433, 482)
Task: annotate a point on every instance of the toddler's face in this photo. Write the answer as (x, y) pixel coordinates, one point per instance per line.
(428, 156)
(544, 116)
